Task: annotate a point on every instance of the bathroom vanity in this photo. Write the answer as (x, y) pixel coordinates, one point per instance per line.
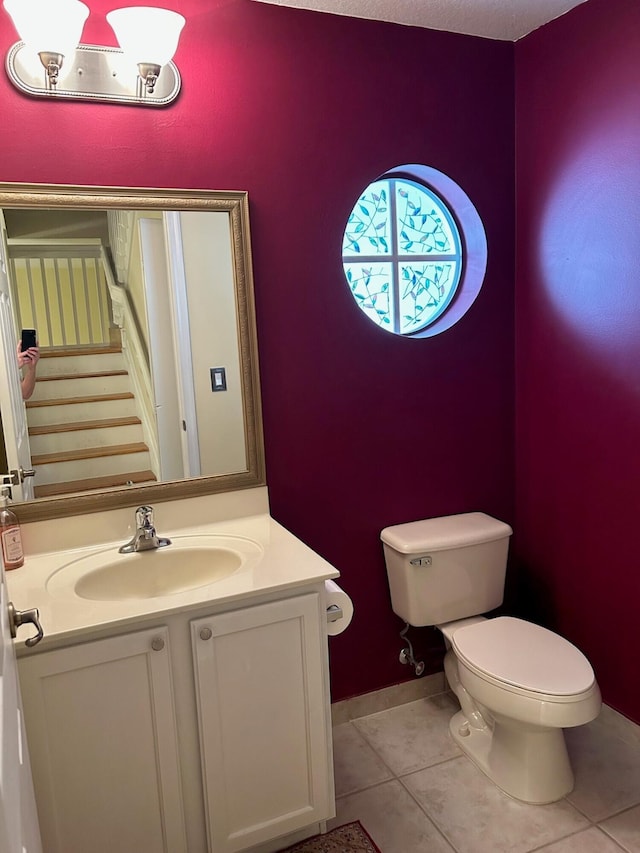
(185, 720)
(179, 700)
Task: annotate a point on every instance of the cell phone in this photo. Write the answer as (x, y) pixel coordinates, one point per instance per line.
(28, 339)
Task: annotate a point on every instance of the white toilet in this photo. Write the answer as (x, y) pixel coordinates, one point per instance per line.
(519, 685)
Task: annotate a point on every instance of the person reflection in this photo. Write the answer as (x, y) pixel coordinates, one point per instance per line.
(27, 362)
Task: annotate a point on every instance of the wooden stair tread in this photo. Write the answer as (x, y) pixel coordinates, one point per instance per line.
(99, 374)
(64, 352)
(111, 481)
(89, 453)
(67, 401)
(76, 426)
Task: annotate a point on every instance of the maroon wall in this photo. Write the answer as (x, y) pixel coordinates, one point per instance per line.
(578, 335)
(303, 110)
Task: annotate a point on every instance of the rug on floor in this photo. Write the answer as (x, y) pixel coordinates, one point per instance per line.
(350, 838)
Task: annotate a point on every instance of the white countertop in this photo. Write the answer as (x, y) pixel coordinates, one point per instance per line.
(285, 563)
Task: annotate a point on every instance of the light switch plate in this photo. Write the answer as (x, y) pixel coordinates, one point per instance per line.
(218, 379)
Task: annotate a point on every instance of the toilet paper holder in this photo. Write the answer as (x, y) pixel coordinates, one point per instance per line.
(338, 607)
(334, 613)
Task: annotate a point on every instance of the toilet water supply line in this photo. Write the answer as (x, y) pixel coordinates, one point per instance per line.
(407, 656)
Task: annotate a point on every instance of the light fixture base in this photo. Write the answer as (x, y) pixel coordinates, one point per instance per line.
(93, 73)
(149, 73)
(52, 63)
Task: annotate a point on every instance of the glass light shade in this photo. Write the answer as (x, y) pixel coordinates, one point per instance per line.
(54, 26)
(147, 34)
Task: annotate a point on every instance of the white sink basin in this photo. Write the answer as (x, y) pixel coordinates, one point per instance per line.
(188, 563)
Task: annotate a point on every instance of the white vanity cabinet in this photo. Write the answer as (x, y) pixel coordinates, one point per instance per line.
(262, 721)
(221, 714)
(102, 737)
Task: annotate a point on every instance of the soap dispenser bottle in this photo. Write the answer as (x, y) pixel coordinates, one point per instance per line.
(10, 535)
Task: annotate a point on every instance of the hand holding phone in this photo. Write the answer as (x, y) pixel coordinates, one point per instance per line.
(28, 339)
(28, 357)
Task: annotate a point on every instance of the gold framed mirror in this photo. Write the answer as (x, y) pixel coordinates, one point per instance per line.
(204, 242)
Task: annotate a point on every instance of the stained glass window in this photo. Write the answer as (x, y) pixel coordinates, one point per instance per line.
(402, 255)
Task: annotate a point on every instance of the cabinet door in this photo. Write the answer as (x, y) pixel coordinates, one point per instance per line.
(262, 709)
(102, 735)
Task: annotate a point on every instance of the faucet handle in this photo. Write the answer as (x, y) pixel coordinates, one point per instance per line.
(145, 537)
(144, 517)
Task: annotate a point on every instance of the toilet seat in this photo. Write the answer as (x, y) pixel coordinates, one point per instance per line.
(521, 656)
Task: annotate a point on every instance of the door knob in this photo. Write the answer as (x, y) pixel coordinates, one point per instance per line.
(22, 617)
(17, 476)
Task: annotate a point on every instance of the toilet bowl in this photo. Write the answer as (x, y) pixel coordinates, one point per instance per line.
(519, 685)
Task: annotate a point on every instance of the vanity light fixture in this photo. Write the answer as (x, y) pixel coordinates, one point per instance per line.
(50, 62)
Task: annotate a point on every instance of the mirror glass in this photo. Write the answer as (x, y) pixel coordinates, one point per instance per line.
(147, 384)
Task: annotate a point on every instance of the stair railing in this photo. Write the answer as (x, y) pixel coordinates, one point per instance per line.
(137, 360)
(59, 288)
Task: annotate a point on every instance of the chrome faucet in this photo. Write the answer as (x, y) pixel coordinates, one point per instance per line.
(145, 538)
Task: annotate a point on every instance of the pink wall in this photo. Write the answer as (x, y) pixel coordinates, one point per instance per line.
(303, 110)
(578, 335)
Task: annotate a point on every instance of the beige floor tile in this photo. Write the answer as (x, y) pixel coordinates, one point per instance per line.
(412, 736)
(356, 765)
(590, 841)
(393, 819)
(477, 817)
(625, 829)
(605, 756)
(614, 723)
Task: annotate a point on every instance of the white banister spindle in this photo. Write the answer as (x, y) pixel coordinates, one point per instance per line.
(47, 311)
(59, 303)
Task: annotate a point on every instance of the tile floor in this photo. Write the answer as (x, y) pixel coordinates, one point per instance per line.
(399, 772)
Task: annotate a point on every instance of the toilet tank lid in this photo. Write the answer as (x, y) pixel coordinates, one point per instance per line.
(450, 531)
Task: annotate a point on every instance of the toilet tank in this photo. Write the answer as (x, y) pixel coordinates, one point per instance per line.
(442, 569)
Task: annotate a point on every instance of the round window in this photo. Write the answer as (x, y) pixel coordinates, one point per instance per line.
(414, 252)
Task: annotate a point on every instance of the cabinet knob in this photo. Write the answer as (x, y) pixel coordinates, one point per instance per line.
(206, 633)
(157, 644)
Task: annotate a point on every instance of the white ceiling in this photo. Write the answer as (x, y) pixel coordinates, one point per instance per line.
(507, 20)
